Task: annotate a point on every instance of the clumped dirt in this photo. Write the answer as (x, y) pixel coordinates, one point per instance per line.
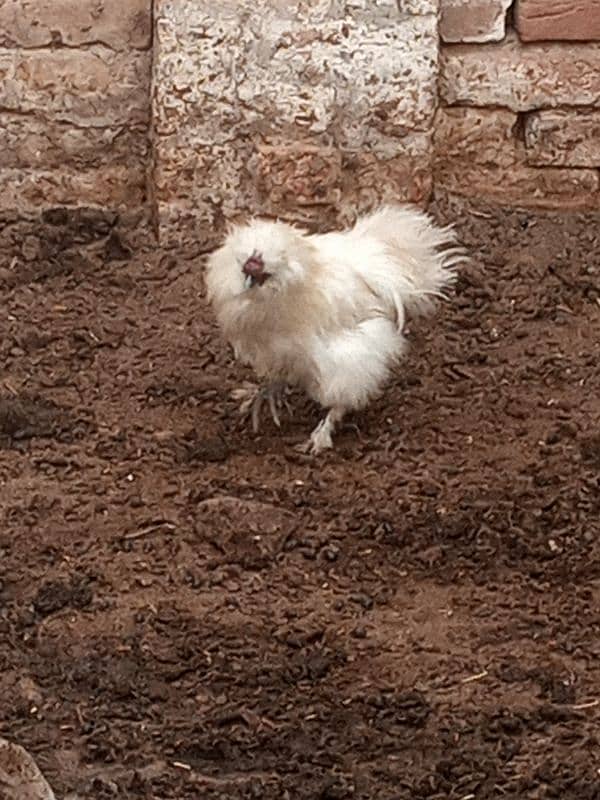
(187, 610)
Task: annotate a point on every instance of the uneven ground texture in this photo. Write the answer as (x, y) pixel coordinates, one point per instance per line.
(189, 611)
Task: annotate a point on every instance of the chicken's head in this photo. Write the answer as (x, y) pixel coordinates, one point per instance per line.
(271, 256)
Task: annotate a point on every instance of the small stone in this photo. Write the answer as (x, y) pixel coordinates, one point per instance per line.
(362, 599)
(30, 249)
(20, 777)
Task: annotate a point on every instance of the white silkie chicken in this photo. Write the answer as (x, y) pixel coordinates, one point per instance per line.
(326, 312)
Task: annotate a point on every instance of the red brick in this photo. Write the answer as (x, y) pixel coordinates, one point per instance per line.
(538, 20)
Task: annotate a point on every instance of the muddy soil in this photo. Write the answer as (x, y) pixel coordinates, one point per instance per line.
(191, 611)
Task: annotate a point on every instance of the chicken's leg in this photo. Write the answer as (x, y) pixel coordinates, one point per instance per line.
(320, 438)
(252, 398)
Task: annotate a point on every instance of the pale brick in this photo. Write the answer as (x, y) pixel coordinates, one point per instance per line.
(563, 138)
(337, 76)
(539, 20)
(96, 86)
(473, 20)
(308, 77)
(34, 190)
(119, 24)
(26, 142)
(521, 78)
(479, 154)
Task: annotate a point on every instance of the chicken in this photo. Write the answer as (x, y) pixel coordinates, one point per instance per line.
(326, 312)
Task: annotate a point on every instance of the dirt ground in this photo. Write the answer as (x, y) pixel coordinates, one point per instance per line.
(190, 611)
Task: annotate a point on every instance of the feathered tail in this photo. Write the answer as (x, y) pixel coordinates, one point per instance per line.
(426, 255)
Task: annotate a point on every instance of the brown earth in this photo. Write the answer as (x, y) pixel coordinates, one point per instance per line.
(189, 611)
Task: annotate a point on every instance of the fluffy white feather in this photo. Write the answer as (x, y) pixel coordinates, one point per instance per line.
(326, 312)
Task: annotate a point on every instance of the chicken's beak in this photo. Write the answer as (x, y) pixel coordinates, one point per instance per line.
(254, 270)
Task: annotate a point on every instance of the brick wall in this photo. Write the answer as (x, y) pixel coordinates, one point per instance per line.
(74, 117)
(308, 109)
(313, 110)
(519, 116)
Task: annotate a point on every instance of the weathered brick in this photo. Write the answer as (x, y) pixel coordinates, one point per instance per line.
(563, 138)
(28, 191)
(296, 179)
(521, 78)
(95, 86)
(332, 78)
(483, 136)
(371, 180)
(309, 77)
(539, 20)
(118, 24)
(298, 173)
(479, 153)
(26, 142)
(473, 20)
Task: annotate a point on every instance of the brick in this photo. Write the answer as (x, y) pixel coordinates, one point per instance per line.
(473, 20)
(118, 24)
(296, 179)
(301, 80)
(478, 153)
(309, 77)
(538, 20)
(28, 191)
(563, 138)
(27, 142)
(519, 77)
(482, 136)
(91, 87)
(371, 180)
(299, 173)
